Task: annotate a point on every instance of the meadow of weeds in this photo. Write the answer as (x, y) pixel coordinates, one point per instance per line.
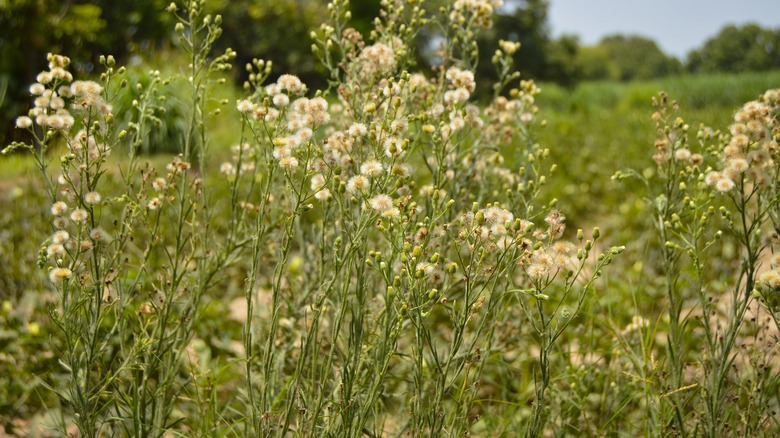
(388, 257)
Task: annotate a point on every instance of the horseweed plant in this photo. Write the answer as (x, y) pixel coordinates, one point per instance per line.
(691, 201)
(389, 233)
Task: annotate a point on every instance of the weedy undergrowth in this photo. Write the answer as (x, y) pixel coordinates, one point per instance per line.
(719, 194)
(389, 234)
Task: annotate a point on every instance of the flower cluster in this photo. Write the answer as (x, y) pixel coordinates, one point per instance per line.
(462, 84)
(376, 59)
(52, 94)
(481, 10)
(751, 154)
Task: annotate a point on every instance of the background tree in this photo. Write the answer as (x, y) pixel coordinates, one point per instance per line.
(738, 49)
(274, 30)
(638, 58)
(524, 21)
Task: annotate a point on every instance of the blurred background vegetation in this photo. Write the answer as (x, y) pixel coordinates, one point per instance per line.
(278, 30)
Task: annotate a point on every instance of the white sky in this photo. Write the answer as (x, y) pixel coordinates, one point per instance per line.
(678, 26)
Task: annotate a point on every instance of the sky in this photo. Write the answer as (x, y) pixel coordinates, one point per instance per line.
(678, 26)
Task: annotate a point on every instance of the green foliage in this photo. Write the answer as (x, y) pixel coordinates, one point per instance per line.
(276, 30)
(738, 49)
(525, 23)
(634, 57)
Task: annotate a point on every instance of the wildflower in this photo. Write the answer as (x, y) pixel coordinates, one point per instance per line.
(770, 279)
(44, 77)
(323, 194)
(394, 147)
(64, 91)
(317, 105)
(92, 198)
(85, 245)
(682, 154)
(37, 89)
(245, 106)
(724, 185)
(536, 271)
(281, 100)
(272, 115)
(288, 162)
(304, 135)
(58, 275)
(461, 79)
(357, 184)
(23, 122)
(376, 59)
(87, 92)
(712, 177)
(291, 84)
(55, 250)
(154, 204)
(60, 223)
(79, 215)
(457, 124)
(59, 208)
(372, 168)
(357, 130)
(381, 203)
(510, 47)
(454, 97)
(60, 236)
(55, 122)
(317, 182)
(227, 169)
(563, 248)
(159, 184)
(737, 165)
(403, 170)
(391, 213)
(98, 234)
